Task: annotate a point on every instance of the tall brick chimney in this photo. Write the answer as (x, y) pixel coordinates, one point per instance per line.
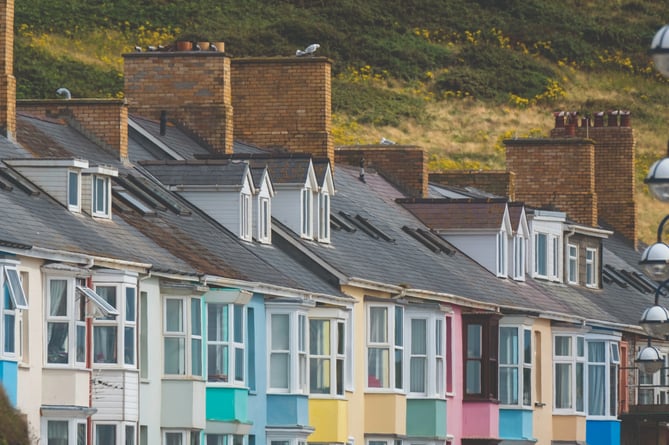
(7, 80)
(284, 103)
(104, 121)
(192, 87)
(583, 169)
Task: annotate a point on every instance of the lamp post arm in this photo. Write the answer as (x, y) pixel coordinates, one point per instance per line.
(660, 228)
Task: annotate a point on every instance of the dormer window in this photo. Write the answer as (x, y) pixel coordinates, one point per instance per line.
(324, 217)
(307, 215)
(101, 196)
(591, 268)
(546, 256)
(73, 190)
(518, 257)
(245, 217)
(572, 264)
(264, 221)
(501, 254)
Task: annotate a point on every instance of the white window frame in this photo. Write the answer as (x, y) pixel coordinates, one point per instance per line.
(576, 358)
(393, 344)
(233, 343)
(502, 247)
(324, 217)
(73, 424)
(591, 268)
(434, 355)
(519, 258)
(296, 438)
(74, 207)
(521, 363)
(186, 435)
(101, 210)
(336, 341)
(296, 349)
(552, 256)
(228, 439)
(125, 322)
(572, 264)
(187, 333)
(264, 220)
(74, 318)
(245, 217)
(13, 303)
(652, 384)
(611, 365)
(306, 213)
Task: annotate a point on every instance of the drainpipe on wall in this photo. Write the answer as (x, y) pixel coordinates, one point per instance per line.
(89, 366)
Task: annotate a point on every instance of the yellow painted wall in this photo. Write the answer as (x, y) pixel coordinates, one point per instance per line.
(385, 414)
(542, 381)
(329, 417)
(569, 428)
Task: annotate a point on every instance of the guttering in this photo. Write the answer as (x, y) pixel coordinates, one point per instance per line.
(592, 231)
(78, 258)
(270, 289)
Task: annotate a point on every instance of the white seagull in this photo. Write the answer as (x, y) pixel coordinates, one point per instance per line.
(308, 51)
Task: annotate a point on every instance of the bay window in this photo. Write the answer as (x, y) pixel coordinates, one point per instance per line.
(603, 361)
(287, 331)
(225, 439)
(225, 343)
(114, 337)
(426, 353)
(385, 346)
(515, 365)
(13, 300)
(327, 352)
(480, 355)
(66, 312)
(569, 377)
(64, 431)
(182, 336)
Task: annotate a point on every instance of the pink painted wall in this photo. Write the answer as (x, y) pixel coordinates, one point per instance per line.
(480, 419)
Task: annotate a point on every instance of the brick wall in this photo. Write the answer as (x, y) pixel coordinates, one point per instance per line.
(284, 104)
(105, 121)
(615, 145)
(193, 87)
(7, 80)
(555, 173)
(500, 183)
(404, 166)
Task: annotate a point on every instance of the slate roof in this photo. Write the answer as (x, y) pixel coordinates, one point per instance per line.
(140, 148)
(445, 214)
(207, 172)
(175, 237)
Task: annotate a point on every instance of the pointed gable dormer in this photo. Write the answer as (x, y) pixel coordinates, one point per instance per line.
(325, 192)
(296, 186)
(262, 205)
(223, 189)
(519, 241)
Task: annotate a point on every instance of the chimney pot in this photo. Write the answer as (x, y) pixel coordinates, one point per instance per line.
(599, 119)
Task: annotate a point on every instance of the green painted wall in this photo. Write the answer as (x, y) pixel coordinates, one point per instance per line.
(227, 404)
(426, 418)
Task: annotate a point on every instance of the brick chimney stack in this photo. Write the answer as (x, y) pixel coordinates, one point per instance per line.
(7, 80)
(284, 103)
(192, 87)
(585, 169)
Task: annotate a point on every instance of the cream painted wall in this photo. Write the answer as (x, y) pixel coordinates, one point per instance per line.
(30, 367)
(356, 404)
(542, 381)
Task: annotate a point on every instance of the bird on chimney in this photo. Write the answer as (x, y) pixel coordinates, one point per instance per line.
(308, 51)
(385, 141)
(212, 47)
(151, 48)
(138, 49)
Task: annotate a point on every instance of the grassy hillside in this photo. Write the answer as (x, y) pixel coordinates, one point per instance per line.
(454, 76)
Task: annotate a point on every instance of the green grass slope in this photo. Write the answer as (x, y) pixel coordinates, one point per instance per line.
(454, 76)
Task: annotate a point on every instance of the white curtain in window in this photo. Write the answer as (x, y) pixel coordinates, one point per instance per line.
(174, 320)
(57, 432)
(378, 373)
(378, 324)
(104, 344)
(175, 355)
(596, 378)
(563, 385)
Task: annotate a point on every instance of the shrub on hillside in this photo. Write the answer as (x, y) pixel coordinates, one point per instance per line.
(13, 427)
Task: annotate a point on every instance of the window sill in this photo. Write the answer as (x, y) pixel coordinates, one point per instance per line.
(328, 397)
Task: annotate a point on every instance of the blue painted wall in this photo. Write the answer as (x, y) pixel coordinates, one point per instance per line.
(426, 418)
(602, 432)
(227, 404)
(287, 409)
(516, 424)
(8, 378)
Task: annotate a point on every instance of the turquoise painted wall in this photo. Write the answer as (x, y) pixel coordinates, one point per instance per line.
(8, 378)
(426, 418)
(227, 404)
(602, 432)
(287, 409)
(516, 424)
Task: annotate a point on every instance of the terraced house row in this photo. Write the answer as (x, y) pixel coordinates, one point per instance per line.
(197, 263)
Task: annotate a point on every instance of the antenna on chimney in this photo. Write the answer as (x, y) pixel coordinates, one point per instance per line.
(163, 122)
